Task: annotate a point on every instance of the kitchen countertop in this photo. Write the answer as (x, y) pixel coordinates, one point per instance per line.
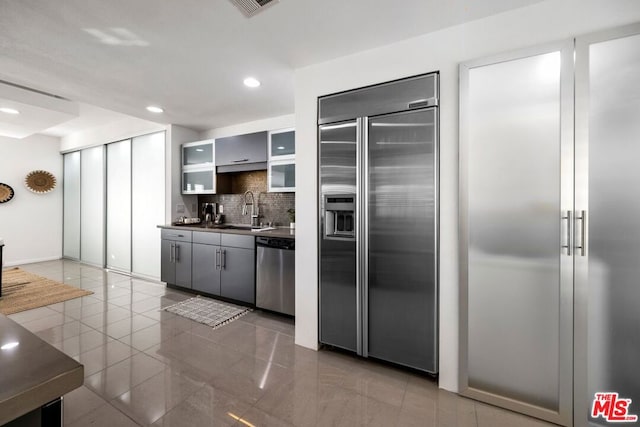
(33, 373)
(283, 232)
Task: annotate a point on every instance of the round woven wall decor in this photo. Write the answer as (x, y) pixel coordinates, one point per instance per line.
(6, 193)
(40, 181)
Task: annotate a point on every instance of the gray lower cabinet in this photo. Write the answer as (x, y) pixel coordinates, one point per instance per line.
(223, 265)
(176, 258)
(206, 268)
(237, 277)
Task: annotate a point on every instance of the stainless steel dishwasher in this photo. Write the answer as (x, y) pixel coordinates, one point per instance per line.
(275, 274)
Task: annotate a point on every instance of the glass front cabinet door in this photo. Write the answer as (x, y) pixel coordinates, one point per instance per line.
(282, 161)
(198, 167)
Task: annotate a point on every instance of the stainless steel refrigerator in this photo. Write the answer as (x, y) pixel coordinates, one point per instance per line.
(378, 198)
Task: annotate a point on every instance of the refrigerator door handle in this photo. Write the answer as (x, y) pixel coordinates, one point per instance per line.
(567, 246)
(364, 233)
(583, 233)
(359, 236)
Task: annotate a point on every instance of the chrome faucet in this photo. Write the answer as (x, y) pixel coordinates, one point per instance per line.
(254, 209)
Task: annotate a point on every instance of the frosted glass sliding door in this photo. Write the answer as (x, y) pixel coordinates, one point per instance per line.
(516, 208)
(92, 209)
(119, 205)
(148, 197)
(608, 232)
(71, 196)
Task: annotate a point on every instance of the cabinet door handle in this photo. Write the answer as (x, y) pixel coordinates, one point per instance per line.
(224, 260)
(568, 245)
(241, 160)
(583, 233)
(172, 252)
(217, 259)
(176, 257)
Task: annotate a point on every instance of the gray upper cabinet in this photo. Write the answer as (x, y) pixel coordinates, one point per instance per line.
(281, 176)
(198, 167)
(242, 152)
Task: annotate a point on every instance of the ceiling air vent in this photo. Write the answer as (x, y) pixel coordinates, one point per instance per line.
(251, 7)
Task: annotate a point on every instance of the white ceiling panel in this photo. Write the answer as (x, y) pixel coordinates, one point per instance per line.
(191, 56)
(36, 111)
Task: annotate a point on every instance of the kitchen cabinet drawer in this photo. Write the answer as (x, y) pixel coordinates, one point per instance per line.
(238, 241)
(242, 152)
(177, 235)
(206, 238)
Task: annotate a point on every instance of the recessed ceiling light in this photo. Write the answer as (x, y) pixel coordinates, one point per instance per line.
(154, 109)
(200, 149)
(251, 82)
(9, 110)
(281, 148)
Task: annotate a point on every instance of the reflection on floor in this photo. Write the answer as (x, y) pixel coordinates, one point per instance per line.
(148, 367)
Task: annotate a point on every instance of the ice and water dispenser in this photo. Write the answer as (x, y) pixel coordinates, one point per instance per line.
(339, 216)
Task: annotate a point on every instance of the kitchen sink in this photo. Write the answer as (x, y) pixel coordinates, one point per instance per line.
(227, 226)
(235, 227)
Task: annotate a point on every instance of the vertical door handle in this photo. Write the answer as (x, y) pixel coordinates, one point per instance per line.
(172, 252)
(217, 259)
(567, 246)
(583, 233)
(176, 257)
(224, 260)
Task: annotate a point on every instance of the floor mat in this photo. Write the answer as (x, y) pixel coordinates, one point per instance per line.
(22, 290)
(208, 311)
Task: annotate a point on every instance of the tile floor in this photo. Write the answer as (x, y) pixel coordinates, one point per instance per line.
(148, 367)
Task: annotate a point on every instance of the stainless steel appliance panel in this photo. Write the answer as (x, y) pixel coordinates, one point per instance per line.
(275, 276)
(338, 159)
(401, 95)
(338, 294)
(338, 286)
(402, 240)
(608, 239)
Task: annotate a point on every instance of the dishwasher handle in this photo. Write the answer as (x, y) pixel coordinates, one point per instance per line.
(276, 243)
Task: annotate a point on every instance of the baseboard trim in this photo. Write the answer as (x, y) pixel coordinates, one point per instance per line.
(31, 261)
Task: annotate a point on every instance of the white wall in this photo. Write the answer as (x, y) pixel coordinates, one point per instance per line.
(30, 224)
(109, 132)
(272, 123)
(548, 21)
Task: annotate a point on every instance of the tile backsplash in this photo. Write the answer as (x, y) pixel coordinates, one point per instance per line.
(273, 206)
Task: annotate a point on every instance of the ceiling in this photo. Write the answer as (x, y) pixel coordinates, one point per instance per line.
(191, 56)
